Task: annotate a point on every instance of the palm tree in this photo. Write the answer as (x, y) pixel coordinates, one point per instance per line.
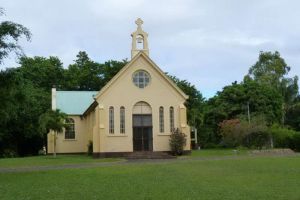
(52, 120)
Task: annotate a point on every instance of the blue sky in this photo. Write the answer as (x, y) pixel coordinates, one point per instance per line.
(210, 43)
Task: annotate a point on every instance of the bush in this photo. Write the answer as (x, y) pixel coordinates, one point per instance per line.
(295, 142)
(240, 133)
(211, 146)
(177, 142)
(282, 137)
(90, 148)
(9, 153)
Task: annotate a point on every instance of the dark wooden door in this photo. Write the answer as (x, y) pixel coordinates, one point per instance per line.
(142, 133)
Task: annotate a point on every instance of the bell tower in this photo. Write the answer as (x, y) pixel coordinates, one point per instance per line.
(139, 40)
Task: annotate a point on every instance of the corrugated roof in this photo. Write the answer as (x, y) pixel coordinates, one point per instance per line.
(74, 102)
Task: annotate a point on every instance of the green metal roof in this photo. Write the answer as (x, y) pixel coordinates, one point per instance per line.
(74, 102)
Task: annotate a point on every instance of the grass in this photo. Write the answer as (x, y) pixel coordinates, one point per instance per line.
(253, 178)
(50, 160)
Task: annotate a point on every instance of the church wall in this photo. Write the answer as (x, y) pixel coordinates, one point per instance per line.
(77, 145)
(124, 93)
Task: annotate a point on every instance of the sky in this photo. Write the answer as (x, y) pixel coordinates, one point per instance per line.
(210, 43)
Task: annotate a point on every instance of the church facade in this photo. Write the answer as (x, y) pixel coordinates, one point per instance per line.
(136, 111)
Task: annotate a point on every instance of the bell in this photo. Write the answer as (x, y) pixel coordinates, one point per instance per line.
(139, 40)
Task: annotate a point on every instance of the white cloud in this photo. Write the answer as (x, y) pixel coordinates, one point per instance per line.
(211, 43)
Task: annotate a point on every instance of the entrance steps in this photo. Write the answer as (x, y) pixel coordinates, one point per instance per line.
(149, 155)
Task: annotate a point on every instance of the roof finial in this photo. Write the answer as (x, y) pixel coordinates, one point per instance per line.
(139, 22)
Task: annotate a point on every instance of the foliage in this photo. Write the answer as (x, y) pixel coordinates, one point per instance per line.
(177, 142)
(295, 144)
(240, 133)
(194, 103)
(21, 105)
(282, 137)
(10, 33)
(88, 75)
(90, 148)
(231, 132)
(42, 72)
(271, 70)
(266, 91)
(293, 116)
(25, 97)
(52, 120)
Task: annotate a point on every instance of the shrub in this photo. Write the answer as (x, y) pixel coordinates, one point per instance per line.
(177, 142)
(90, 148)
(9, 153)
(211, 145)
(240, 133)
(295, 143)
(231, 135)
(282, 137)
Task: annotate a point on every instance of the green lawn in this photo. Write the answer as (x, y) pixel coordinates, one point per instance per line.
(50, 160)
(252, 178)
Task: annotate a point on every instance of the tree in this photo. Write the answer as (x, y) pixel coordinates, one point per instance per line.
(52, 121)
(271, 70)
(86, 74)
(10, 33)
(21, 105)
(42, 72)
(293, 116)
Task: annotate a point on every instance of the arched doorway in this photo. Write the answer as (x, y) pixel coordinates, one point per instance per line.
(142, 127)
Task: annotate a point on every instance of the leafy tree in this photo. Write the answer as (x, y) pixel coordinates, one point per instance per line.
(263, 100)
(42, 72)
(52, 120)
(271, 70)
(86, 74)
(111, 68)
(10, 33)
(293, 116)
(194, 103)
(21, 105)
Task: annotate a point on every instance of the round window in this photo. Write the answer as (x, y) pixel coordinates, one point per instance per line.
(141, 78)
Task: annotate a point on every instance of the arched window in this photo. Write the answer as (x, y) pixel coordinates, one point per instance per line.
(70, 129)
(122, 119)
(172, 119)
(161, 120)
(111, 120)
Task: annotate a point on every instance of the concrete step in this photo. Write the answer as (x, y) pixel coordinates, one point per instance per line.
(149, 155)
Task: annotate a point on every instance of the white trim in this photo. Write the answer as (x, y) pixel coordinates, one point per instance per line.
(53, 97)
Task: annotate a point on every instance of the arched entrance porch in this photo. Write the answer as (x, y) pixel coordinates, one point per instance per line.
(142, 127)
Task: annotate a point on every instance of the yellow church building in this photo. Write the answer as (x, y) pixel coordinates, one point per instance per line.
(136, 111)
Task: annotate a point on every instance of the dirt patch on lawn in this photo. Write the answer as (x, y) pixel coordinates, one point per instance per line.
(272, 152)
